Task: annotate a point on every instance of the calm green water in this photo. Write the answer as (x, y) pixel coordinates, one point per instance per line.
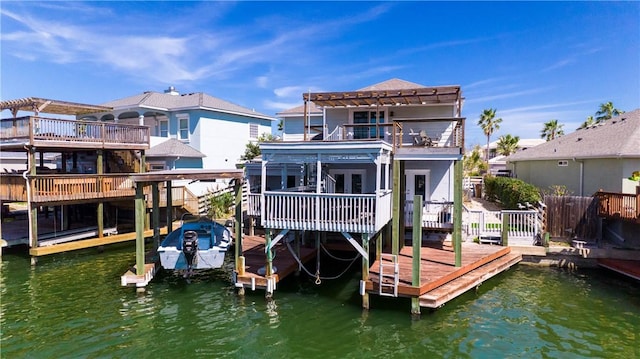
(72, 306)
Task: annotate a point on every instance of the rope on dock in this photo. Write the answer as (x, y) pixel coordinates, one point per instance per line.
(317, 275)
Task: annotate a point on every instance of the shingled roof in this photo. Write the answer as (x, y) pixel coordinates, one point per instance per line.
(171, 101)
(299, 110)
(619, 137)
(173, 148)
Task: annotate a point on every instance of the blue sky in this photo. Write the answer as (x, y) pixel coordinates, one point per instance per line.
(533, 62)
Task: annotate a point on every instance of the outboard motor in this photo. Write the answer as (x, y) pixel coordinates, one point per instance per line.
(190, 247)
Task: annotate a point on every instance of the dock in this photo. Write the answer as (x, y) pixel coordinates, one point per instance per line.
(629, 268)
(284, 262)
(440, 280)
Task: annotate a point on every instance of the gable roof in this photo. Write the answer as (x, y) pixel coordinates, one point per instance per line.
(299, 111)
(392, 84)
(619, 137)
(172, 101)
(173, 148)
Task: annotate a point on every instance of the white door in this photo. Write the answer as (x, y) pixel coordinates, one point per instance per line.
(348, 181)
(418, 182)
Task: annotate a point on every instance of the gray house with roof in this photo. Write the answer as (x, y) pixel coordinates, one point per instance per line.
(216, 130)
(602, 156)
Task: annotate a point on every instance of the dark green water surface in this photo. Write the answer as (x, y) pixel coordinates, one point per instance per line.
(72, 306)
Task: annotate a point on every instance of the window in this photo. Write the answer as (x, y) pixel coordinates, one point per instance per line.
(163, 128)
(563, 163)
(157, 166)
(253, 131)
(368, 117)
(183, 127)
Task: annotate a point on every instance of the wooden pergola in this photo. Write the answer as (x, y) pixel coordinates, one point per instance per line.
(38, 105)
(417, 96)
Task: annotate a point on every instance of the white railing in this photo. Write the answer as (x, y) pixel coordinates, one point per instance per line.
(434, 214)
(331, 212)
(522, 224)
(253, 204)
(336, 135)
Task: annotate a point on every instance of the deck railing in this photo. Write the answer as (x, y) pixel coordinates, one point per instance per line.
(439, 132)
(332, 212)
(33, 128)
(55, 188)
(435, 215)
(253, 204)
(523, 224)
(619, 205)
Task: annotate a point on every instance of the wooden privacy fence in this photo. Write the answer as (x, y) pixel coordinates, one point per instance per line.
(572, 216)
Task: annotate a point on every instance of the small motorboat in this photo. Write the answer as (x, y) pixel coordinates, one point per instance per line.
(197, 244)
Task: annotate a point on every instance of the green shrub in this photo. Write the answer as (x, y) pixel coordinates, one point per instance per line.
(510, 191)
(220, 205)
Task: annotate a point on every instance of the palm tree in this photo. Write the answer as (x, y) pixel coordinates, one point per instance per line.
(606, 111)
(587, 123)
(472, 162)
(489, 123)
(551, 130)
(507, 144)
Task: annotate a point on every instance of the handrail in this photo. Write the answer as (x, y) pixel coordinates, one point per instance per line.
(36, 128)
(618, 205)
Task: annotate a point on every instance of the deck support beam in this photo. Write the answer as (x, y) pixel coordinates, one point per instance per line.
(364, 252)
(169, 207)
(237, 187)
(100, 209)
(276, 240)
(140, 217)
(457, 211)
(396, 208)
(155, 215)
(416, 244)
(365, 270)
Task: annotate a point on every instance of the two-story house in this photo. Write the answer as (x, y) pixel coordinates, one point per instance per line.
(217, 130)
(353, 162)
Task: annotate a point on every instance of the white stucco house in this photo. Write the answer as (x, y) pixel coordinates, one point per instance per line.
(216, 128)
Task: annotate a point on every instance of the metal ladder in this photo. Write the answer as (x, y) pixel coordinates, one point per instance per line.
(389, 275)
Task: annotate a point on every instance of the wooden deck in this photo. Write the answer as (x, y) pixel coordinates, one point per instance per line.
(254, 254)
(441, 280)
(628, 268)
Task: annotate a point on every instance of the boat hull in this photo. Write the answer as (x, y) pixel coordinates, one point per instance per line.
(172, 258)
(206, 242)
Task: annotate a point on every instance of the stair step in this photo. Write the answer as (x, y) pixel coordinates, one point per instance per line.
(440, 295)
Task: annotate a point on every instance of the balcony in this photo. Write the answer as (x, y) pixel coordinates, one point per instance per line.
(59, 133)
(416, 135)
(331, 212)
(63, 188)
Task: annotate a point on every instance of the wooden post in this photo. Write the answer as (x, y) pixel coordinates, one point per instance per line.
(100, 209)
(416, 243)
(237, 187)
(457, 211)
(379, 244)
(395, 221)
(269, 263)
(155, 193)
(505, 229)
(365, 270)
(32, 210)
(169, 207)
(140, 216)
